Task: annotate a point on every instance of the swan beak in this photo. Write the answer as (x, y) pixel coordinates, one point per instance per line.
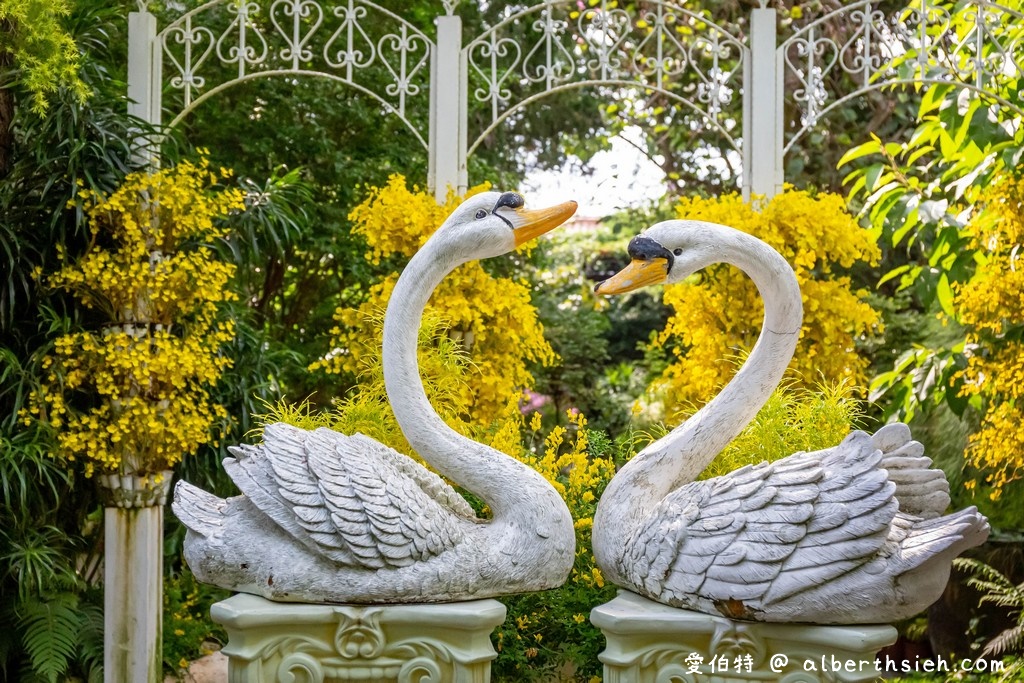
(639, 273)
(529, 224)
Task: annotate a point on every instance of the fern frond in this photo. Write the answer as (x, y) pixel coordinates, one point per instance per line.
(1010, 640)
(50, 633)
(91, 642)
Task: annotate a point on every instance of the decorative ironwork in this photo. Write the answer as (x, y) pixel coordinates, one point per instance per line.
(919, 45)
(556, 45)
(353, 41)
(657, 46)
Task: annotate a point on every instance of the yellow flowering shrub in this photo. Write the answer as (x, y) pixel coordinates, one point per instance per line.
(493, 317)
(719, 318)
(991, 306)
(131, 396)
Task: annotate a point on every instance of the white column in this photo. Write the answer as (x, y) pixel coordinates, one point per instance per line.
(133, 558)
(144, 69)
(447, 110)
(762, 109)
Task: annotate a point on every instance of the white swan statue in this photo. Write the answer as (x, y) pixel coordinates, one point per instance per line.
(852, 534)
(325, 517)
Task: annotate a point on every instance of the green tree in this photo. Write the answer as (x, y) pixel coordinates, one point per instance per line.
(38, 54)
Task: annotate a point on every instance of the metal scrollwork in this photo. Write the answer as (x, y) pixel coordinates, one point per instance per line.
(298, 35)
(559, 45)
(235, 45)
(353, 41)
(190, 38)
(917, 46)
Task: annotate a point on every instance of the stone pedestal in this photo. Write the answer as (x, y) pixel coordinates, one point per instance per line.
(652, 643)
(270, 642)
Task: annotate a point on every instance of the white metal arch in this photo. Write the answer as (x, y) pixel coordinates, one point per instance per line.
(557, 45)
(606, 47)
(223, 43)
(917, 47)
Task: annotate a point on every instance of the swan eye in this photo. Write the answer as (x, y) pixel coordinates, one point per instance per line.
(481, 214)
(678, 251)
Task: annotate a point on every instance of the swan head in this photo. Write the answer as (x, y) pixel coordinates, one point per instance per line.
(495, 223)
(666, 252)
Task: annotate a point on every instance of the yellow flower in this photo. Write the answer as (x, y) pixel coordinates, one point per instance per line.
(152, 365)
(492, 318)
(816, 235)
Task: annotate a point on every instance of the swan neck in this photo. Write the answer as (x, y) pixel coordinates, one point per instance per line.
(469, 464)
(680, 456)
(704, 435)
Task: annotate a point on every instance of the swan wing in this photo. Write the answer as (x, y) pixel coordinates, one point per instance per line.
(922, 490)
(764, 532)
(343, 500)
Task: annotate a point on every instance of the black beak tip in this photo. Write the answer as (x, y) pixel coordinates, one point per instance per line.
(597, 285)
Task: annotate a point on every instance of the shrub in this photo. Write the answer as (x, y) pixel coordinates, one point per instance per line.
(991, 307)
(132, 396)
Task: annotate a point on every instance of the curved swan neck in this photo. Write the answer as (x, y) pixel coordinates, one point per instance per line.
(499, 480)
(684, 453)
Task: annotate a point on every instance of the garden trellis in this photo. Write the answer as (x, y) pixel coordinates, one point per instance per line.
(740, 86)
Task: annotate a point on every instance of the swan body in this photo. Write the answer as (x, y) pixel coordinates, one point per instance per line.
(329, 517)
(851, 534)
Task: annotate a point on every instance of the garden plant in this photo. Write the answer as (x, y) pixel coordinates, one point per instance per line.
(152, 317)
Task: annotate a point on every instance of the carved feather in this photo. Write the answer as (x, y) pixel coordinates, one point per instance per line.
(350, 499)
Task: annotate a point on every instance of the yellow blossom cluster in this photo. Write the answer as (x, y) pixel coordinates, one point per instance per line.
(718, 318)
(991, 306)
(492, 317)
(579, 466)
(132, 396)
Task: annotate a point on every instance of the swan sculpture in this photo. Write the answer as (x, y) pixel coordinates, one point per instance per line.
(325, 517)
(851, 534)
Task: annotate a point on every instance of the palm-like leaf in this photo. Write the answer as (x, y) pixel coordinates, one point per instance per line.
(50, 633)
(997, 589)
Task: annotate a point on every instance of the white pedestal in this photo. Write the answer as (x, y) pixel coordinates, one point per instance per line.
(272, 642)
(652, 643)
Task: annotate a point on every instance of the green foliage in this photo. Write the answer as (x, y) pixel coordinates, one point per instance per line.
(921, 193)
(77, 145)
(42, 51)
(187, 626)
(61, 634)
(794, 419)
(51, 630)
(443, 365)
(1002, 592)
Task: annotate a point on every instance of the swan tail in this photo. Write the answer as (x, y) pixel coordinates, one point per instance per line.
(198, 510)
(942, 539)
(921, 490)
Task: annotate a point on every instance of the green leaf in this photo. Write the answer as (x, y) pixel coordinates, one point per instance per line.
(944, 293)
(895, 272)
(872, 175)
(872, 146)
(51, 628)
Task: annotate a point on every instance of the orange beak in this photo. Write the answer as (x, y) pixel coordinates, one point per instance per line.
(639, 273)
(529, 224)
